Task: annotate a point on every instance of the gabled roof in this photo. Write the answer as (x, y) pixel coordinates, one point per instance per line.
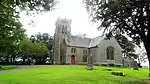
(96, 41)
(83, 41)
(80, 41)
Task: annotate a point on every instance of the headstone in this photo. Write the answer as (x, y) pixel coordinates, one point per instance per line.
(135, 66)
(89, 62)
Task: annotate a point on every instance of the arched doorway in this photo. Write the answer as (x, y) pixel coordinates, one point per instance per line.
(72, 59)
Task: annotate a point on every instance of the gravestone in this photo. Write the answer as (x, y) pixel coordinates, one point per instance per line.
(135, 66)
(89, 62)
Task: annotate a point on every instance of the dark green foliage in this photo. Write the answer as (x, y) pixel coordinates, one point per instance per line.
(45, 38)
(109, 69)
(118, 73)
(33, 6)
(136, 68)
(11, 31)
(127, 46)
(34, 51)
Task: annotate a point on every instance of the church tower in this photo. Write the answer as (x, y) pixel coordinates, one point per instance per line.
(62, 31)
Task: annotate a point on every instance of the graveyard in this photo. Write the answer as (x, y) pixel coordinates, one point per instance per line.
(74, 74)
(75, 42)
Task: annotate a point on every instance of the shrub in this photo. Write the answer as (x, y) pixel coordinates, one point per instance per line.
(111, 64)
(109, 69)
(118, 65)
(96, 64)
(118, 73)
(135, 68)
(104, 64)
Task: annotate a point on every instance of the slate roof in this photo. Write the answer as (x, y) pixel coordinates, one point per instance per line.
(84, 42)
(95, 41)
(81, 41)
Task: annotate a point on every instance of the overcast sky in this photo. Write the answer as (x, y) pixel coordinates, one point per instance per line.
(71, 9)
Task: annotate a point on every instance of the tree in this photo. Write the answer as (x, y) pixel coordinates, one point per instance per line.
(26, 49)
(40, 52)
(127, 46)
(32, 38)
(31, 6)
(46, 39)
(43, 37)
(142, 55)
(33, 50)
(11, 31)
(37, 5)
(131, 17)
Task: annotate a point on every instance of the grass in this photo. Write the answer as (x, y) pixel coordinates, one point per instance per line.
(7, 67)
(72, 75)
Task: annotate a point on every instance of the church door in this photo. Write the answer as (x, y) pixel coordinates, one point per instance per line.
(72, 59)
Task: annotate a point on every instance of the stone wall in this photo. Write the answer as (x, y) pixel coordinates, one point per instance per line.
(78, 55)
(100, 56)
(127, 62)
(62, 31)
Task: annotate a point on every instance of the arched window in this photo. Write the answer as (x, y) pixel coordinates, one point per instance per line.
(85, 58)
(73, 50)
(110, 53)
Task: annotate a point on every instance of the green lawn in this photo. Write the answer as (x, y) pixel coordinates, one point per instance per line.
(7, 67)
(72, 75)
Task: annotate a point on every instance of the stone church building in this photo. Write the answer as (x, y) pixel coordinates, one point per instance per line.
(69, 49)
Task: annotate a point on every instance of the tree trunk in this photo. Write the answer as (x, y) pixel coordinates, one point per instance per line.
(147, 47)
(148, 54)
(14, 59)
(51, 58)
(36, 59)
(7, 60)
(24, 60)
(29, 61)
(139, 64)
